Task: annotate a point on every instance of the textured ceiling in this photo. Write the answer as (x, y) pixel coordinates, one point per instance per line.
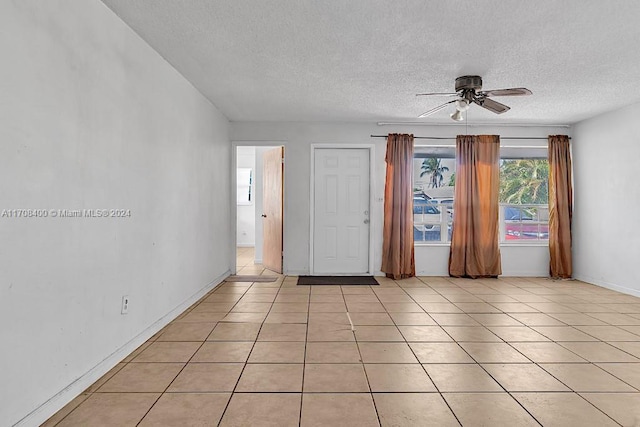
(364, 60)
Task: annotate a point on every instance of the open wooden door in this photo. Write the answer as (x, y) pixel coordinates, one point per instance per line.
(272, 208)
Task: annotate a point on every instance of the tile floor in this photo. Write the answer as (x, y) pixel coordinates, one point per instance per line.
(425, 351)
(244, 262)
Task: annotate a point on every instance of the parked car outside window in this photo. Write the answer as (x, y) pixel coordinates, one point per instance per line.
(427, 219)
(521, 223)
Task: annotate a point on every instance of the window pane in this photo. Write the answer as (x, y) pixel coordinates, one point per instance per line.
(433, 185)
(524, 192)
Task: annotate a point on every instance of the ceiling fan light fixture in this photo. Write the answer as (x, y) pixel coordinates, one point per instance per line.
(457, 116)
(462, 104)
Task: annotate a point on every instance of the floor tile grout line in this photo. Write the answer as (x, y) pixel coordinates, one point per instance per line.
(191, 358)
(570, 389)
(224, 411)
(131, 361)
(488, 373)
(71, 411)
(573, 326)
(366, 375)
(304, 360)
(525, 409)
(476, 363)
(433, 382)
(423, 309)
(594, 406)
(613, 375)
(508, 392)
(170, 382)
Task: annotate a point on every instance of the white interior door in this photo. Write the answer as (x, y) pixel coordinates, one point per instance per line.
(341, 211)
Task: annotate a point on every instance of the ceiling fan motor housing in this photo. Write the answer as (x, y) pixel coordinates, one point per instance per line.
(468, 83)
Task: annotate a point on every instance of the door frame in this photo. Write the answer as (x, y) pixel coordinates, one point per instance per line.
(233, 198)
(372, 216)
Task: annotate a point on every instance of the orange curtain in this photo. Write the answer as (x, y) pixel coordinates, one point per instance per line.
(475, 250)
(560, 207)
(397, 240)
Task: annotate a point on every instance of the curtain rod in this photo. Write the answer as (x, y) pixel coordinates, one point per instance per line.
(501, 146)
(515, 125)
(453, 137)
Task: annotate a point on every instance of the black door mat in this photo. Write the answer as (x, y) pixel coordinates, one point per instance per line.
(337, 280)
(247, 278)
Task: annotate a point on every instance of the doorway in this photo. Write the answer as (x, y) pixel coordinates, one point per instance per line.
(253, 249)
(341, 210)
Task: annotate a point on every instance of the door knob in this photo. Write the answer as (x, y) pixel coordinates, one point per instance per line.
(264, 216)
(366, 221)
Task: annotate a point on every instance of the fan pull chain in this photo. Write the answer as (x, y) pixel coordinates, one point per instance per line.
(466, 123)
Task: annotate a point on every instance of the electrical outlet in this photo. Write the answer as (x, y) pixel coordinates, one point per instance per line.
(125, 305)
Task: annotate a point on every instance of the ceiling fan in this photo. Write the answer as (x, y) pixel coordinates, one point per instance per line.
(468, 90)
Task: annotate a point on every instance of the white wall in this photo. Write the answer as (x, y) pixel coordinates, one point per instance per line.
(91, 117)
(606, 236)
(430, 260)
(246, 221)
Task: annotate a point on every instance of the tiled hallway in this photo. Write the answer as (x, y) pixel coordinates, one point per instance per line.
(425, 351)
(245, 262)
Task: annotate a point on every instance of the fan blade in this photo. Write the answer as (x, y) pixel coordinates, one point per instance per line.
(491, 105)
(515, 91)
(438, 108)
(438, 94)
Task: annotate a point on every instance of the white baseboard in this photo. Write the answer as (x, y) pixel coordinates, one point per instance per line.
(257, 261)
(524, 273)
(604, 284)
(245, 245)
(70, 392)
(297, 273)
(423, 273)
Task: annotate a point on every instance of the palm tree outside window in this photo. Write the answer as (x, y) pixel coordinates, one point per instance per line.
(433, 183)
(433, 166)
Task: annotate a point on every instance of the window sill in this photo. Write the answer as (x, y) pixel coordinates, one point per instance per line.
(428, 244)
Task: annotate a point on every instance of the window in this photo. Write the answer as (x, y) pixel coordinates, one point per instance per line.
(433, 185)
(524, 192)
(524, 197)
(244, 183)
